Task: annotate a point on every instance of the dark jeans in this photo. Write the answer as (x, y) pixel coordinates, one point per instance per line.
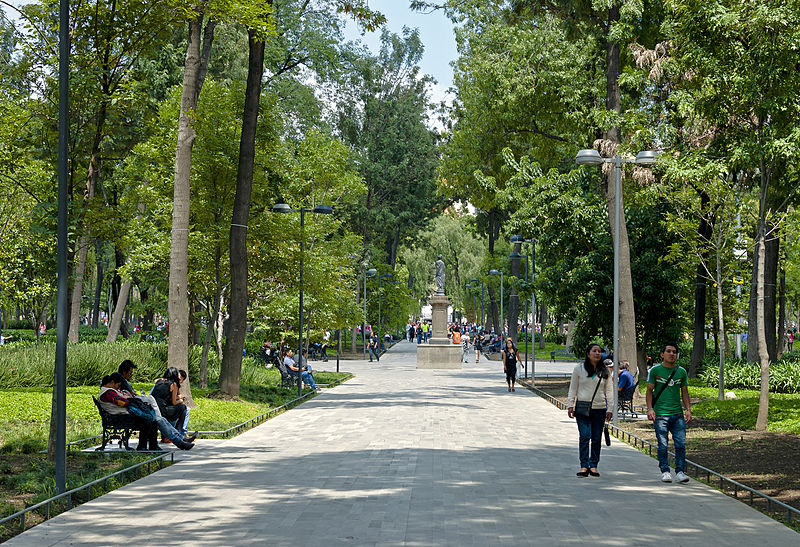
(175, 414)
(675, 424)
(590, 432)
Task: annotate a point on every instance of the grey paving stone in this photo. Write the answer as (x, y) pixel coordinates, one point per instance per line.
(399, 456)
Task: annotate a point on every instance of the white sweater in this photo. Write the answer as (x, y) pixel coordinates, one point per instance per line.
(581, 387)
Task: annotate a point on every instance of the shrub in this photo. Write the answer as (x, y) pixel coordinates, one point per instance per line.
(784, 376)
(31, 365)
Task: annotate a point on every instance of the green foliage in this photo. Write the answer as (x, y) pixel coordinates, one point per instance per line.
(381, 114)
(784, 376)
(32, 365)
(574, 258)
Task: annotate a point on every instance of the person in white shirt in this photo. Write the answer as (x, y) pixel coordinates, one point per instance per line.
(591, 390)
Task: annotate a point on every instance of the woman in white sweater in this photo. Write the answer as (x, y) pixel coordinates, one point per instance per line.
(591, 381)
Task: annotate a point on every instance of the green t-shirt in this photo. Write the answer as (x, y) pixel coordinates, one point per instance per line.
(669, 402)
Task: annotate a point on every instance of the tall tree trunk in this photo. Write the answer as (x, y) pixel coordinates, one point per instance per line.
(513, 295)
(763, 353)
(544, 320)
(116, 318)
(82, 253)
(494, 309)
(206, 347)
(715, 330)
(144, 296)
(770, 285)
(782, 315)
(196, 62)
(230, 375)
(699, 342)
(98, 290)
(761, 308)
(721, 325)
(627, 316)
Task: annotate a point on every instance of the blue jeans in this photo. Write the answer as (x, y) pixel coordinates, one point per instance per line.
(308, 378)
(167, 430)
(675, 424)
(590, 431)
(373, 352)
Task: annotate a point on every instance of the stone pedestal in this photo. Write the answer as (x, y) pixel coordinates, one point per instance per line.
(440, 351)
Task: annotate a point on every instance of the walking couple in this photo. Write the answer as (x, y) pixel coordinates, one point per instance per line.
(667, 396)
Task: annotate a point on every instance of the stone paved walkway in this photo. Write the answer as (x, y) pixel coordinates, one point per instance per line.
(398, 456)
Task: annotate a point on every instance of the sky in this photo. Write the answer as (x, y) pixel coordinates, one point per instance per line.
(436, 33)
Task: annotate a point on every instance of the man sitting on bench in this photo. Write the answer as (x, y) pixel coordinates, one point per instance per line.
(626, 387)
(301, 367)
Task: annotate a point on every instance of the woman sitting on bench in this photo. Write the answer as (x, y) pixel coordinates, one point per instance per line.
(167, 393)
(148, 439)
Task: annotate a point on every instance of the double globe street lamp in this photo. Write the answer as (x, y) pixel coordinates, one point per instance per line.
(531, 243)
(498, 272)
(367, 273)
(645, 158)
(321, 209)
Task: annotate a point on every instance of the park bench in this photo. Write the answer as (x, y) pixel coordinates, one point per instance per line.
(560, 353)
(625, 401)
(115, 426)
(287, 378)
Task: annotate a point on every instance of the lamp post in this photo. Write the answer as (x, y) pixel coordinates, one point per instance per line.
(321, 209)
(469, 286)
(474, 281)
(592, 157)
(380, 334)
(367, 273)
(497, 272)
(531, 243)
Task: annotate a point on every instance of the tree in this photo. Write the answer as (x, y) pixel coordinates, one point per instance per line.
(744, 55)
(232, 357)
(382, 114)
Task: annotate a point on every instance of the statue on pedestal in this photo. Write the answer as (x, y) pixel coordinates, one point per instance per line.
(439, 276)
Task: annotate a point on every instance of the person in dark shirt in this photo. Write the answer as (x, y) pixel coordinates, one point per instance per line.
(110, 393)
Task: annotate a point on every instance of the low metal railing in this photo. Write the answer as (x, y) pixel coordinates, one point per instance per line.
(71, 496)
(773, 505)
(91, 441)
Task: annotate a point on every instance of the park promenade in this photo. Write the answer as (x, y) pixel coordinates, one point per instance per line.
(399, 456)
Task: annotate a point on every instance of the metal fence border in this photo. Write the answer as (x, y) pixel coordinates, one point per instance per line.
(699, 470)
(90, 441)
(88, 487)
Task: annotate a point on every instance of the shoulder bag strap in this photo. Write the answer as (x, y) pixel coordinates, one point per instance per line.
(595, 390)
(655, 398)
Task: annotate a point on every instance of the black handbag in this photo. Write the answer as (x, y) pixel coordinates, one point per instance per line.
(583, 408)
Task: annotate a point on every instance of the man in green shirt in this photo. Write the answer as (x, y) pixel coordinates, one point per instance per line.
(667, 396)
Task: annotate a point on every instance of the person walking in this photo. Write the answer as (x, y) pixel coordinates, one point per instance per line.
(465, 347)
(373, 347)
(665, 408)
(478, 345)
(326, 338)
(589, 408)
(509, 358)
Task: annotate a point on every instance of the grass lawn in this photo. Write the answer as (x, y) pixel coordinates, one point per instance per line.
(543, 354)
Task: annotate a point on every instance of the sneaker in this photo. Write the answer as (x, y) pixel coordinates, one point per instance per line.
(666, 476)
(680, 476)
